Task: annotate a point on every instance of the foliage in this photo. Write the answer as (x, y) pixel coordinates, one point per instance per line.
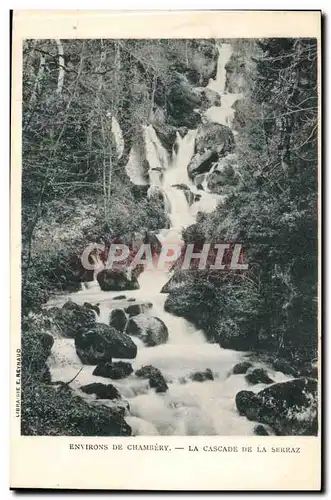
(74, 183)
(272, 211)
(48, 410)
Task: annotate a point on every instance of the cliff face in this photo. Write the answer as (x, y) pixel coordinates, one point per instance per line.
(178, 103)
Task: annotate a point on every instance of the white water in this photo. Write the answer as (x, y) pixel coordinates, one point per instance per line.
(187, 408)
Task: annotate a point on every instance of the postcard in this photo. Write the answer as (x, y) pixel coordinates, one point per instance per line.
(165, 250)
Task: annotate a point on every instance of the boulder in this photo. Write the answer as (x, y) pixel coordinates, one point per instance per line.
(213, 142)
(223, 175)
(202, 163)
(215, 182)
(102, 343)
(102, 391)
(151, 330)
(178, 278)
(116, 279)
(310, 371)
(36, 348)
(236, 77)
(245, 401)
(281, 365)
(214, 137)
(114, 371)
(208, 97)
(290, 408)
(202, 376)
(70, 414)
(131, 299)
(167, 135)
(258, 376)
(198, 181)
(72, 318)
(120, 297)
(155, 377)
(241, 368)
(95, 307)
(70, 305)
(260, 430)
(47, 342)
(117, 319)
(135, 309)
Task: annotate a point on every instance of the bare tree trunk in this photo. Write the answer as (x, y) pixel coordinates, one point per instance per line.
(150, 113)
(41, 69)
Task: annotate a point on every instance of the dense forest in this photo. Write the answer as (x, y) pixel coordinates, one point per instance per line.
(85, 105)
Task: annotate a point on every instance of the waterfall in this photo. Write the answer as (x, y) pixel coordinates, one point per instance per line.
(188, 407)
(180, 213)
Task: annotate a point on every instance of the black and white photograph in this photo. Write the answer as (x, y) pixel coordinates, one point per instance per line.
(169, 228)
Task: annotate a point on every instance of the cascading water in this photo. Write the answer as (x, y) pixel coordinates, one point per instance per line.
(188, 407)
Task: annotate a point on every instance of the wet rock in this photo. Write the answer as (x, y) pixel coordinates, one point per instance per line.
(221, 177)
(241, 368)
(114, 371)
(95, 307)
(72, 415)
(309, 370)
(135, 309)
(202, 376)
(198, 181)
(151, 330)
(290, 408)
(202, 163)
(167, 135)
(139, 192)
(117, 319)
(155, 377)
(246, 401)
(36, 348)
(178, 278)
(236, 77)
(208, 98)
(101, 391)
(213, 142)
(47, 342)
(102, 343)
(260, 430)
(182, 102)
(258, 376)
(214, 137)
(119, 297)
(72, 318)
(189, 195)
(116, 279)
